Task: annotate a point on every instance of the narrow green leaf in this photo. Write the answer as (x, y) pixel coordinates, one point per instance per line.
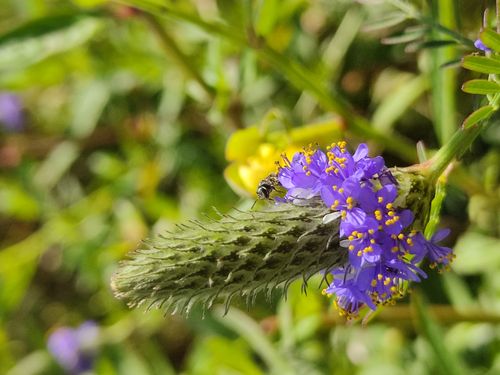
(447, 361)
(87, 106)
(451, 64)
(390, 20)
(438, 43)
(268, 14)
(477, 116)
(481, 86)
(481, 64)
(403, 38)
(251, 332)
(45, 37)
(491, 39)
(397, 103)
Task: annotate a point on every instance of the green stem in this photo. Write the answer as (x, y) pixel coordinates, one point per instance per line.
(498, 15)
(444, 81)
(301, 77)
(457, 145)
(436, 204)
(175, 53)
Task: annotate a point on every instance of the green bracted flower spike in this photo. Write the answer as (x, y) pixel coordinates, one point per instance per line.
(238, 255)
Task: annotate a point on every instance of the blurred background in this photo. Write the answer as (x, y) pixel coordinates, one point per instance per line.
(120, 119)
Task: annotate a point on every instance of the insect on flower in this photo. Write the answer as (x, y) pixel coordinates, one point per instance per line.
(267, 186)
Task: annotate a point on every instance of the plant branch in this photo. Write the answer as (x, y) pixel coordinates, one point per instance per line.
(455, 148)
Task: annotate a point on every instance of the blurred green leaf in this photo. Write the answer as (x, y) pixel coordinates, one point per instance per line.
(481, 64)
(17, 203)
(90, 3)
(219, 355)
(403, 38)
(458, 292)
(339, 44)
(233, 12)
(444, 80)
(252, 333)
(396, 103)
(437, 43)
(35, 363)
(446, 361)
(56, 164)
(388, 21)
(45, 37)
(491, 39)
(481, 86)
(89, 101)
(477, 116)
(476, 253)
(267, 14)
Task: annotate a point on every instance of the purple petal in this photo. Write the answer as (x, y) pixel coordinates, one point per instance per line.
(361, 152)
(440, 235)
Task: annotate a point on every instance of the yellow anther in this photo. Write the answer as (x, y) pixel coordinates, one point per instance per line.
(371, 231)
(360, 253)
(372, 241)
(373, 283)
(401, 236)
(380, 276)
(380, 199)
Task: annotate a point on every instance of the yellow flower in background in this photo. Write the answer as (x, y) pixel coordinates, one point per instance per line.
(253, 151)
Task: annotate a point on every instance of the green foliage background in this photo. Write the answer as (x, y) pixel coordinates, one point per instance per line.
(127, 117)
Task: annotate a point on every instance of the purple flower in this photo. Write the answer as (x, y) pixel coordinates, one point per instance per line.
(383, 254)
(481, 46)
(74, 349)
(438, 254)
(11, 113)
(301, 176)
(349, 291)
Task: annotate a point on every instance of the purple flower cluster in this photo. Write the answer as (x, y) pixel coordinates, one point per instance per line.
(74, 349)
(383, 253)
